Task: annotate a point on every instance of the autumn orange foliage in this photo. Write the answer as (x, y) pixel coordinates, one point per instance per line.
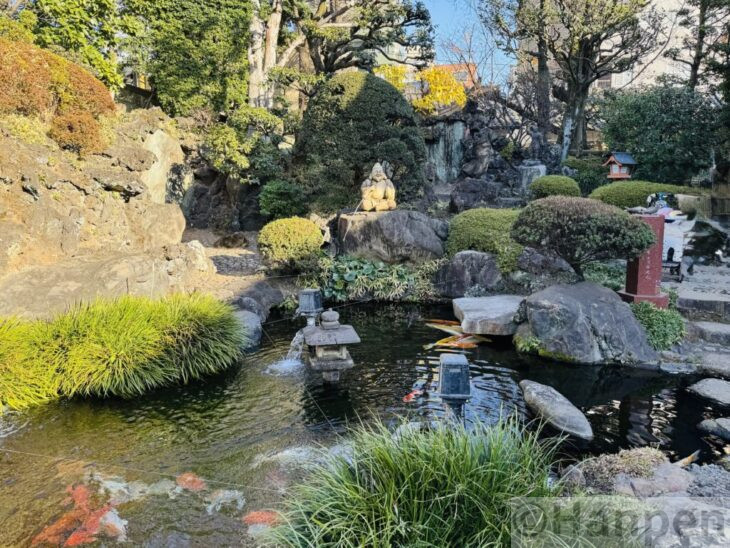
(47, 86)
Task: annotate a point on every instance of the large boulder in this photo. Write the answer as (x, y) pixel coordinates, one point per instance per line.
(555, 409)
(393, 236)
(469, 193)
(168, 156)
(583, 323)
(468, 270)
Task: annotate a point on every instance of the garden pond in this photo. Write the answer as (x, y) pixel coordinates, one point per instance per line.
(186, 466)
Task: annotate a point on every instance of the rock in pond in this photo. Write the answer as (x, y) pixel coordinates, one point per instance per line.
(488, 315)
(584, 323)
(716, 427)
(555, 409)
(251, 325)
(715, 390)
(393, 236)
(467, 270)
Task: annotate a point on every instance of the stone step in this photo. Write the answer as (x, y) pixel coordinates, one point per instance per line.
(488, 315)
(700, 305)
(712, 332)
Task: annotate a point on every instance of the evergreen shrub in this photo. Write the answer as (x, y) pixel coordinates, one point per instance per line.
(354, 120)
(581, 230)
(487, 230)
(554, 185)
(285, 242)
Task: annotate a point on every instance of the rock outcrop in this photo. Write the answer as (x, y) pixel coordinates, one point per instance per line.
(465, 271)
(73, 229)
(393, 236)
(714, 390)
(583, 323)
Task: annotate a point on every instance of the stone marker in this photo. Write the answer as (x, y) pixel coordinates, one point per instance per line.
(488, 315)
(644, 273)
(555, 409)
(715, 390)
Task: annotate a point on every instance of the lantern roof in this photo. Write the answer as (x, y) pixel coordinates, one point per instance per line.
(318, 336)
(623, 158)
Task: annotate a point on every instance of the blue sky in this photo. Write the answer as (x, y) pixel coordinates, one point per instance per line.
(452, 17)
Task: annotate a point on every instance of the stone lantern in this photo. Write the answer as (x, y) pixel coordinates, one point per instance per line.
(310, 305)
(327, 345)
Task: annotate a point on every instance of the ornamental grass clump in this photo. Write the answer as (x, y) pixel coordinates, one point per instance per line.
(126, 347)
(582, 231)
(487, 230)
(442, 487)
(554, 185)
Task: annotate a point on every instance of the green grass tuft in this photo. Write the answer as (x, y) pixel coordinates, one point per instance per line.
(124, 347)
(443, 487)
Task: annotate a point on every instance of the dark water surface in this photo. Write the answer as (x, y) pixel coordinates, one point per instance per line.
(224, 429)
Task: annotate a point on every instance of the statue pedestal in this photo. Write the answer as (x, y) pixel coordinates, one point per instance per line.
(644, 274)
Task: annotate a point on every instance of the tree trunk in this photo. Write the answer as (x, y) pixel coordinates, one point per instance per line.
(573, 122)
(257, 73)
(543, 81)
(273, 27)
(699, 51)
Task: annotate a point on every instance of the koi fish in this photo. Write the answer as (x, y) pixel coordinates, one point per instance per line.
(191, 482)
(686, 461)
(408, 398)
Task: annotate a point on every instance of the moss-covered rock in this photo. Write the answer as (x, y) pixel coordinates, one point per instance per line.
(355, 120)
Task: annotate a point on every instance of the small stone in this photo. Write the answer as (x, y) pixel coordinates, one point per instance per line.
(716, 427)
(715, 390)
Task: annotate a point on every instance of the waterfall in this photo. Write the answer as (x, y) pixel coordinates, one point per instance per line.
(292, 363)
(445, 150)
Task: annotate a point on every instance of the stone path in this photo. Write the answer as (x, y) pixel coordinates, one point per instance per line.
(705, 295)
(488, 315)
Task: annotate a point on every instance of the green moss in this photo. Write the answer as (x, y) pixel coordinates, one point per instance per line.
(124, 347)
(554, 185)
(355, 120)
(29, 129)
(486, 230)
(634, 193)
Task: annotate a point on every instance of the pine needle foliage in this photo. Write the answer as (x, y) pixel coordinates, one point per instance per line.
(443, 487)
(126, 347)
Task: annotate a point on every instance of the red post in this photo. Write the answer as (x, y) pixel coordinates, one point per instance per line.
(644, 274)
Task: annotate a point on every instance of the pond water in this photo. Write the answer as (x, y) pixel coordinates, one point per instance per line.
(230, 431)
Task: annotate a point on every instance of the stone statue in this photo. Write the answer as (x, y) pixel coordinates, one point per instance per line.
(537, 143)
(378, 191)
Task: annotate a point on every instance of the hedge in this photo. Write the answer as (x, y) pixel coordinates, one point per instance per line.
(634, 193)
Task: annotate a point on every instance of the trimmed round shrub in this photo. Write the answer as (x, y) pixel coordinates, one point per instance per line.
(279, 199)
(487, 230)
(581, 230)
(126, 347)
(287, 241)
(664, 328)
(354, 120)
(554, 185)
(447, 486)
(634, 193)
